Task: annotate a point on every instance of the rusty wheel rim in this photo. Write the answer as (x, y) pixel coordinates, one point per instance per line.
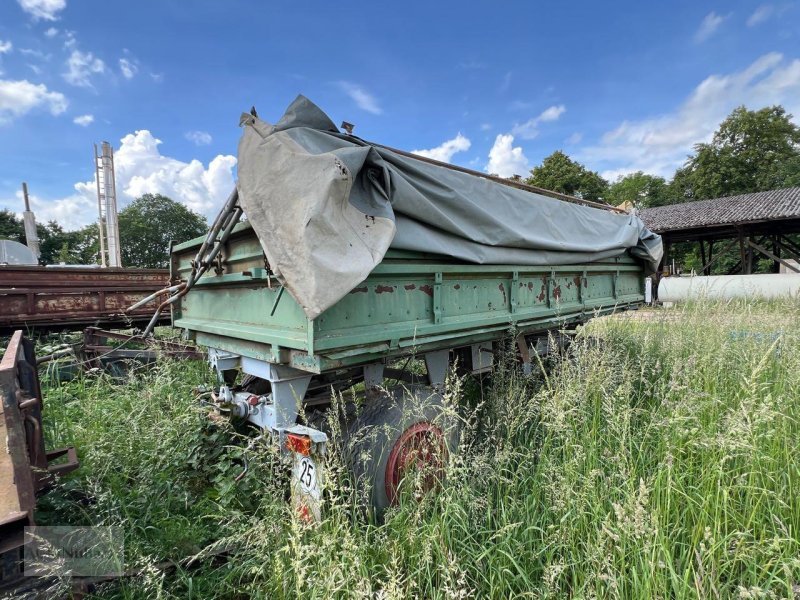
(421, 446)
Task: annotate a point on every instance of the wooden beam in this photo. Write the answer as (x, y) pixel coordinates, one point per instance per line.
(769, 254)
(707, 267)
(789, 243)
(794, 255)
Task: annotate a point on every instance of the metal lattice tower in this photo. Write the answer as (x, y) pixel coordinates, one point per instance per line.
(107, 206)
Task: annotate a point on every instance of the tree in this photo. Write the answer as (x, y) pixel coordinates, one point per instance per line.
(752, 151)
(149, 223)
(643, 190)
(559, 173)
(55, 244)
(11, 227)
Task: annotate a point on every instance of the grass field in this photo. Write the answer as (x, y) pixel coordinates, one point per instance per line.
(658, 460)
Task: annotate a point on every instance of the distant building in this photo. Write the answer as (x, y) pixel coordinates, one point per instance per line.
(758, 224)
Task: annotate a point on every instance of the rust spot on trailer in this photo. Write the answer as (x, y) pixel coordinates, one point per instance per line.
(577, 280)
(557, 292)
(426, 289)
(502, 289)
(457, 286)
(384, 288)
(530, 286)
(543, 294)
(410, 287)
(359, 290)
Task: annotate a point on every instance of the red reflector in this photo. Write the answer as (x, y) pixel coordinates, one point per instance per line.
(298, 443)
(304, 514)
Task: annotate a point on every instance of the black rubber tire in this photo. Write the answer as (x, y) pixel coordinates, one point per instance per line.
(381, 423)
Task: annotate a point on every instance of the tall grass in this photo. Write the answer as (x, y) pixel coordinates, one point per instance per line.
(657, 459)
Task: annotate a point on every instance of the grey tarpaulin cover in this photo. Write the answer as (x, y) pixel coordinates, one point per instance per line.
(327, 206)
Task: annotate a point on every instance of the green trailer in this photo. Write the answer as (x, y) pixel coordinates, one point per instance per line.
(354, 258)
(411, 302)
(438, 309)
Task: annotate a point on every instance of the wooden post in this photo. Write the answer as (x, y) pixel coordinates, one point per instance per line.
(742, 254)
(776, 250)
(707, 269)
(703, 255)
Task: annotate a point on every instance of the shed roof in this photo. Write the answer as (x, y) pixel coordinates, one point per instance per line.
(730, 210)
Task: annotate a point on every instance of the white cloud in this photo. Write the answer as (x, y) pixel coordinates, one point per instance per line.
(84, 120)
(505, 159)
(20, 97)
(140, 168)
(43, 9)
(530, 128)
(363, 99)
(575, 138)
(761, 14)
(81, 66)
(552, 113)
(765, 12)
(708, 27)
(157, 77)
(446, 150)
(70, 41)
(486, 126)
(128, 68)
(35, 53)
(199, 138)
(5, 46)
(660, 144)
(51, 32)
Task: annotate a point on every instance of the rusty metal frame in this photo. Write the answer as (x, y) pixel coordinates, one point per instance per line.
(25, 469)
(70, 297)
(99, 344)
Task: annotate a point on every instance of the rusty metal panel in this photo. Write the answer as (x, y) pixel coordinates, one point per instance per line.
(21, 449)
(24, 463)
(62, 297)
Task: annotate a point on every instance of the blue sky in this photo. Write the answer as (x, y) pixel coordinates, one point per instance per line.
(495, 86)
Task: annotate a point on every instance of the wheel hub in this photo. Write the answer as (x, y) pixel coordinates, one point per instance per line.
(421, 447)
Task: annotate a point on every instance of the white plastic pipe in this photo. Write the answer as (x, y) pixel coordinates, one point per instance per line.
(727, 287)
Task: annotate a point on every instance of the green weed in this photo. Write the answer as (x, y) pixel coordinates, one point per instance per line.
(656, 459)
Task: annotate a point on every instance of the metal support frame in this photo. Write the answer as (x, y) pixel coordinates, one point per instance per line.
(373, 375)
(482, 357)
(278, 410)
(437, 364)
(524, 354)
